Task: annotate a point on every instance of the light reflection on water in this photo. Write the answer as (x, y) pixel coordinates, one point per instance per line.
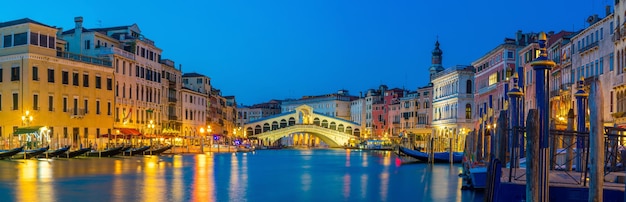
(270, 175)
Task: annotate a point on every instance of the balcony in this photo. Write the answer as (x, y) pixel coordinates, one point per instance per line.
(172, 118)
(554, 93)
(83, 58)
(116, 51)
(172, 99)
(618, 80)
(588, 47)
(566, 86)
(77, 113)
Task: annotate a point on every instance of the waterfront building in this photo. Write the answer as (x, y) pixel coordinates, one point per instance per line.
(593, 49)
(527, 55)
(453, 102)
(491, 78)
(333, 105)
(247, 114)
(136, 61)
(68, 96)
(617, 104)
(381, 123)
(559, 51)
(172, 86)
(357, 111)
(222, 117)
(195, 105)
(371, 97)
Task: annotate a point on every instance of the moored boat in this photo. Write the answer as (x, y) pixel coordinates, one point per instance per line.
(8, 153)
(75, 153)
(157, 151)
(135, 151)
(26, 154)
(245, 149)
(106, 153)
(438, 157)
(55, 153)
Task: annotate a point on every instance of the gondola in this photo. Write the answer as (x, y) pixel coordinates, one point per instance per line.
(76, 153)
(8, 153)
(106, 153)
(438, 157)
(26, 154)
(157, 151)
(55, 153)
(135, 151)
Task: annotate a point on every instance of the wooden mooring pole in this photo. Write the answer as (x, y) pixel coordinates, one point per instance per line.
(569, 140)
(596, 142)
(532, 149)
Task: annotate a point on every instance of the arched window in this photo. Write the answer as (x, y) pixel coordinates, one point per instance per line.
(468, 111)
(426, 105)
(274, 125)
(266, 127)
(468, 85)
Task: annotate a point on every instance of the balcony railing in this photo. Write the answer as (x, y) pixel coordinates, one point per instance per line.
(618, 81)
(83, 58)
(76, 112)
(554, 93)
(116, 51)
(172, 99)
(588, 47)
(172, 118)
(566, 86)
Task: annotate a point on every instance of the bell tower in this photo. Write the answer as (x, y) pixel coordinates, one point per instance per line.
(436, 60)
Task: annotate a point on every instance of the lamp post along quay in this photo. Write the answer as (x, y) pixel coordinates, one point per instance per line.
(541, 65)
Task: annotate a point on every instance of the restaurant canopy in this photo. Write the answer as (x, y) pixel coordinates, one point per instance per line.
(27, 130)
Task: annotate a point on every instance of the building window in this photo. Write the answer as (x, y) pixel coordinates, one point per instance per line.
(85, 80)
(97, 106)
(43, 40)
(87, 44)
(86, 105)
(468, 86)
(34, 38)
(15, 101)
(15, 73)
(8, 41)
(51, 75)
(65, 77)
(611, 106)
(1, 75)
(64, 104)
(50, 103)
(109, 108)
(611, 62)
(98, 82)
(35, 102)
(75, 78)
(35, 73)
(109, 84)
(468, 111)
(20, 39)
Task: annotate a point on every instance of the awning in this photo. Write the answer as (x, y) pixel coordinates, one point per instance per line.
(128, 131)
(26, 130)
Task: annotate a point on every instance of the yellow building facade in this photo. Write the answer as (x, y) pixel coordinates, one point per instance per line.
(68, 95)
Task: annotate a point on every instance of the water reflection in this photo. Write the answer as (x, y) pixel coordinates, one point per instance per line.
(293, 175)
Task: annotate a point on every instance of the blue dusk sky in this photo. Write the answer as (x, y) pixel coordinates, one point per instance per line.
(278, 49)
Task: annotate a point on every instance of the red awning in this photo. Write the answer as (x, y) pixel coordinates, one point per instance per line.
(128, 131)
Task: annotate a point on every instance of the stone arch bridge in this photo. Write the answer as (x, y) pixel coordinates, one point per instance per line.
(303, 121)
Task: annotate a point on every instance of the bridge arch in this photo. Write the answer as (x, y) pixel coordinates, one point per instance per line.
(304, 117)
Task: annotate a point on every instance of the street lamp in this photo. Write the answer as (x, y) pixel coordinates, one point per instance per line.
(151, 128)
(27, 118)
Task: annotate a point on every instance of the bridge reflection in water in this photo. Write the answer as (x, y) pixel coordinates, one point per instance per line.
(267, 175)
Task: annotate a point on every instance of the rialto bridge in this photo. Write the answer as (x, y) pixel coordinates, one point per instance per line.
(304, 125)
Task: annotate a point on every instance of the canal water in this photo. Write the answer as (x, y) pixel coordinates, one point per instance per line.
(264, 175)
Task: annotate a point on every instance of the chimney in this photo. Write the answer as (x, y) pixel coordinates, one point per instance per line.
(180, 67)
(79, 23)
(608, 10)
